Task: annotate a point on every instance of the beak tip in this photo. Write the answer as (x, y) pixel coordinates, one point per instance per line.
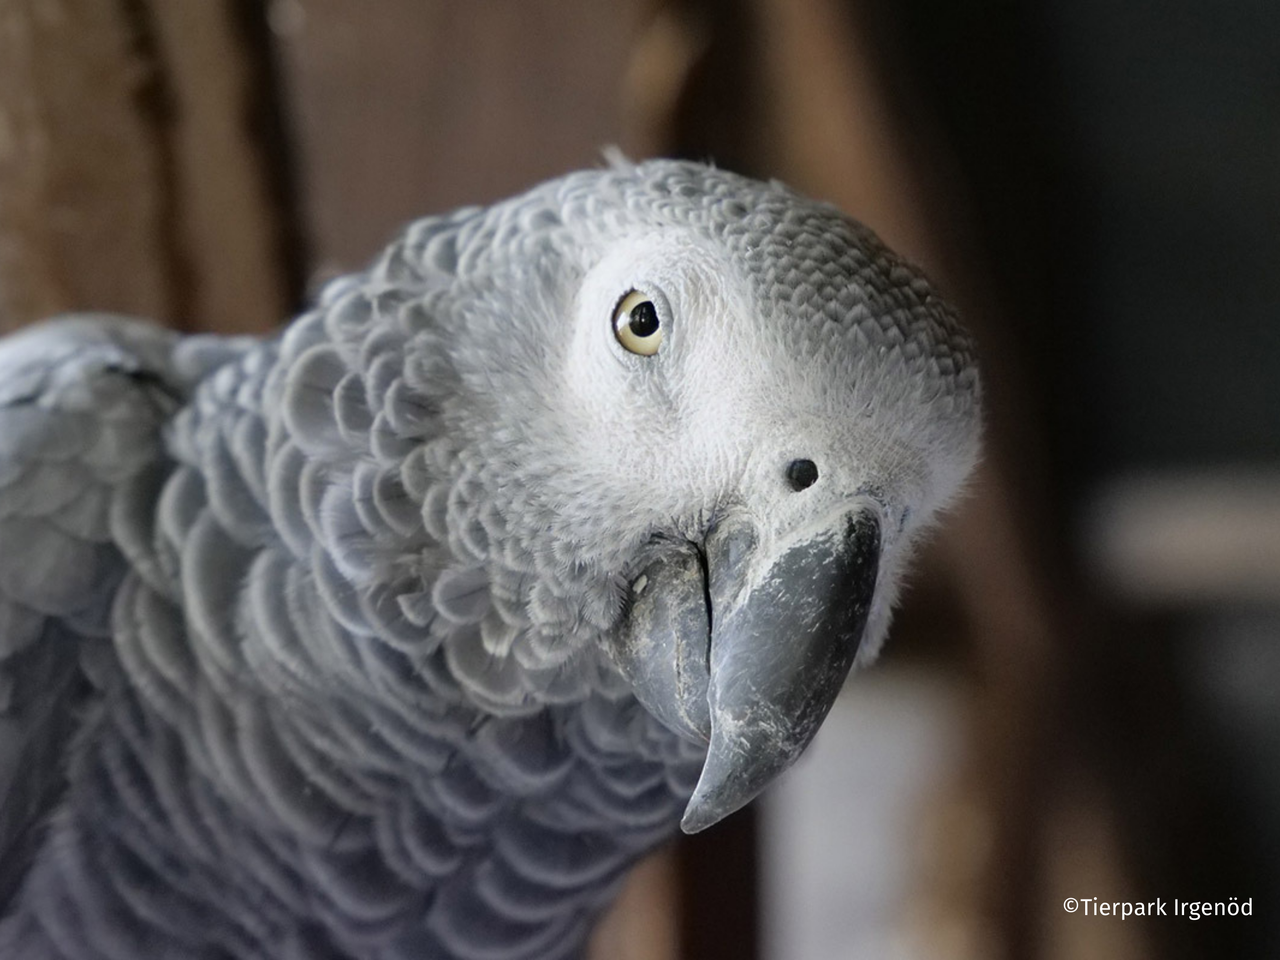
(693, 823)
(727, 784)
(701, 814)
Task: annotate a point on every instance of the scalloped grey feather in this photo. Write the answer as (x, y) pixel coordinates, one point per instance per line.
(308, 644)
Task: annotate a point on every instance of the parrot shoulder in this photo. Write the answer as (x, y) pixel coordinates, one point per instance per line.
(83, 401)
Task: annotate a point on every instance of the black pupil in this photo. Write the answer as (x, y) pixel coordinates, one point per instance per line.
(802, 474)
(644, 319)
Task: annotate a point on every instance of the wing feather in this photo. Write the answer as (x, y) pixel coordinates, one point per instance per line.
(82, 404)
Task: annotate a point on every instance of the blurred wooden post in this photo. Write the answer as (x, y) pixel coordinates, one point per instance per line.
(140, 166)
(643, 923)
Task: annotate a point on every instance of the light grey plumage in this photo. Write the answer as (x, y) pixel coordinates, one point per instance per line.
(329, 645)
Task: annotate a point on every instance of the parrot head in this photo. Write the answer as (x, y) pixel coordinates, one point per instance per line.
(717, 415)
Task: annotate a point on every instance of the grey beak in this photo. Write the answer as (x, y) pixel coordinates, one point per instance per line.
(748, 652)
(779, 656)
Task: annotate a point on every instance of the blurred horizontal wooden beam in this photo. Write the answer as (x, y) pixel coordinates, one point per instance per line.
(1186, 536)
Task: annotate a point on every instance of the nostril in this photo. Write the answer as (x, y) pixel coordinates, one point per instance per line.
(802, 474)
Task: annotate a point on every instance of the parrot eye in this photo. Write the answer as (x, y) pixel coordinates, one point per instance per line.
(636, 324)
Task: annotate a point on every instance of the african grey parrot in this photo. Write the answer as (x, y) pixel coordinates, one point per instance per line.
(402, 634)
